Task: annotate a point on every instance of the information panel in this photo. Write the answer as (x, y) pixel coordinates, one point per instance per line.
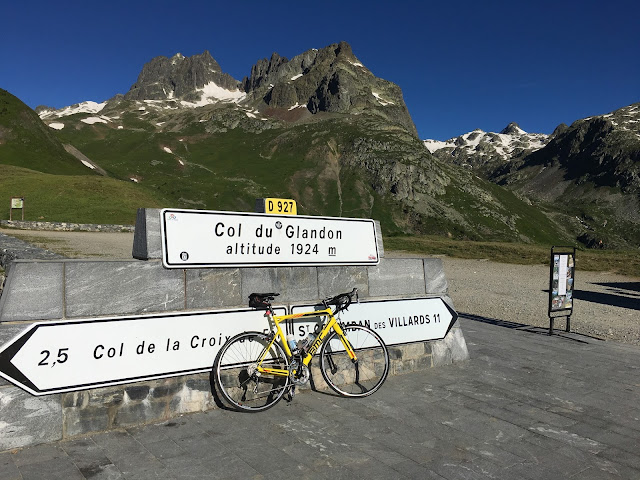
(561, 280)
(54, 357)
(17, 203)
(201, 238)
(396, 321)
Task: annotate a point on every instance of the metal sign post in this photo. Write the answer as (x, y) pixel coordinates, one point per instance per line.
(561, 283)
(17, 203)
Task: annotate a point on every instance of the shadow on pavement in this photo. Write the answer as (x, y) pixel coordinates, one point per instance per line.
(494, 321)
(617, 299)
(527, 328)
(633, 286)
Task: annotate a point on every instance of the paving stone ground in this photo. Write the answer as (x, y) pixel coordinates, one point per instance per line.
(525, 406)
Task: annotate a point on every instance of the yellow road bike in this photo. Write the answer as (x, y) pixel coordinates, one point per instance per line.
(254, 370)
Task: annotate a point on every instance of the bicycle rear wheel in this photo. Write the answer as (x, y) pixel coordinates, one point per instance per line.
(237, 378)
(360, 378)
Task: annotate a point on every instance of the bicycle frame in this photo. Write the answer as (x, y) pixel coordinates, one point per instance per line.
(331, 324)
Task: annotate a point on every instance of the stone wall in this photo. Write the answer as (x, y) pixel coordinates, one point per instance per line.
(65, 226)
(69, 289)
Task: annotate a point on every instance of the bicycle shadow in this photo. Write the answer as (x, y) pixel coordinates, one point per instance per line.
(214, 392)
(324, 391)
(218, 400)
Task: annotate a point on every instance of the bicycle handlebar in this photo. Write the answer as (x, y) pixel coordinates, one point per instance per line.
(342, 301)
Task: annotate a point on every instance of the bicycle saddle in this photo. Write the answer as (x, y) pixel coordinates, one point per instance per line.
(261, 301)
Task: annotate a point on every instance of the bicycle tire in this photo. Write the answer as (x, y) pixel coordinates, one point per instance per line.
(241, 388)
(355, 379)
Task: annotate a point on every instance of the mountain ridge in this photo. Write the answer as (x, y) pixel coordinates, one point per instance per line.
(327, 80)
(590, 169)
(319, 128)
(486, 151)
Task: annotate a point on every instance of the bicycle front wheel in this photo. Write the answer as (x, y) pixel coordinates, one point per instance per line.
(362, 377)
(237, 378)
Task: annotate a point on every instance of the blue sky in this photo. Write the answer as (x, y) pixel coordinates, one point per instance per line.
(461, 64)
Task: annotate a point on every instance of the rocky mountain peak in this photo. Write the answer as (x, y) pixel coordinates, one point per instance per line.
(604, 150)
(486, 151)
(179, 77)
(563, 127)
(264, 71)
(327, 80)
(511, 129)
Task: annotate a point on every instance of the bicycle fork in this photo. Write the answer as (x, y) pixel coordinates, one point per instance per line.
(347, 347)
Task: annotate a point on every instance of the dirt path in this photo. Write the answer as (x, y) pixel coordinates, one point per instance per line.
(79, 244)
(606, 305)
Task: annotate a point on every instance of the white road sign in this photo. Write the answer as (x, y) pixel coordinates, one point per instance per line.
(396, 321)
(54, 357)
(200, 238)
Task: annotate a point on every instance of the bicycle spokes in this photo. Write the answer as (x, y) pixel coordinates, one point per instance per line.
(357, 377)
(242, 372)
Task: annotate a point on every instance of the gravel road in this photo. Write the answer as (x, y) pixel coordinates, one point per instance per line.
(606, 305)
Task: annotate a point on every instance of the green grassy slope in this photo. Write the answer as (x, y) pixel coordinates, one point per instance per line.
(27, 142)
(321, 164)
(222, 158)
(221, 170)
(73, 198)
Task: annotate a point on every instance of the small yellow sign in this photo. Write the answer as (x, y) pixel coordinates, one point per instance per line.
(278, 206)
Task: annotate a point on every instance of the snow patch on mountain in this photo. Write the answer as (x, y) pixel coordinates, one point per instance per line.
(93, 120)
(209, 94)
(382, 101)
(84, 107)
(212, 93)
(512, 141)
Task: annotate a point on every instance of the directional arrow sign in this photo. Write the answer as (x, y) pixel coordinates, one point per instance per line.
(397, 321)
(55, 357)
